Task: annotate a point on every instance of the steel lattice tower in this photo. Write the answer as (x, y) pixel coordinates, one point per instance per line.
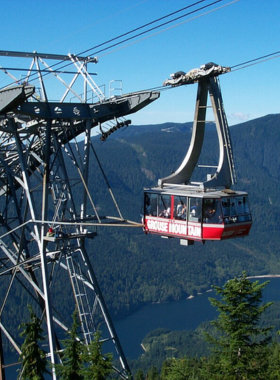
(38, 150)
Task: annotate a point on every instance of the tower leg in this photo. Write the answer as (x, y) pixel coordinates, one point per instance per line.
(2, 369)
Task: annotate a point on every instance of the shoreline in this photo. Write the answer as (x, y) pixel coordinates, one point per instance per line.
(191, 296)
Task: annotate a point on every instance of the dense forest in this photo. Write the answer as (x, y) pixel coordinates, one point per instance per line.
(240, 343)
(135, 269)
(151, 269)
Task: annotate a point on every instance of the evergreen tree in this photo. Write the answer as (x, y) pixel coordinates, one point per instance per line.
(165, 369)
(181, 369)
(153, 374)
(274, 361)
(178, 370)
(71, 366)
(241, 346)
(98, 366)
(34, 362)
(140, 375)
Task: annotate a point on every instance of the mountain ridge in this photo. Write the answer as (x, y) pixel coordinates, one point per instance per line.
(157, 270)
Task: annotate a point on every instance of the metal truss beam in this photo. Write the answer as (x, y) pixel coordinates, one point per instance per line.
(38, 193)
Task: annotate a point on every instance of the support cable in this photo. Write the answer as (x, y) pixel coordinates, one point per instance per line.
(151, 29)
(72, 157)
(256, 61)
(139, 34)
(141, 27)
(236, 67)
(107, 182)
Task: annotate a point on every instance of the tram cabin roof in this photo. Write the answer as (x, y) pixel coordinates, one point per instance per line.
(191, 191)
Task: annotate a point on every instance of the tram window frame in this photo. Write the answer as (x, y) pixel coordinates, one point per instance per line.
(243, 208)
(151, 209)
(233, 212)
(195, 209)
(177, 200)
(165, 201)
(212, 211)
(230, 210)
(248, 215)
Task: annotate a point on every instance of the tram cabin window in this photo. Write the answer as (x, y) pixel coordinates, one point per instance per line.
(180, 207)
(243, 209)
(212, 212)
(164, 206)
(195, 209)
(151, 205)
(236, 209)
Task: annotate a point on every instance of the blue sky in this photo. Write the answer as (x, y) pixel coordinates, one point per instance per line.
(228, 33)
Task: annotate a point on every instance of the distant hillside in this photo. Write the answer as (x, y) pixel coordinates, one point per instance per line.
(135, 130)
(133, 268)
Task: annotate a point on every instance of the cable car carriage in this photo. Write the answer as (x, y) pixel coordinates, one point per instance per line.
(200, 211)
(192, 215)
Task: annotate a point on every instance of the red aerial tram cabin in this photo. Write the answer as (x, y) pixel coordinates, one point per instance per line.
(200, 211)
(196, 216)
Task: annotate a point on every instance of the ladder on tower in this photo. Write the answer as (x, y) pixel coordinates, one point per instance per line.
(81, 298)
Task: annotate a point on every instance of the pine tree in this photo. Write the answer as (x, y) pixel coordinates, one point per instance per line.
(274, 361)
(181, 369)
(71, 366)
(98, 366)
(165, 368)
(153, 374)
(241, 346)
(140, 375)
(34, 362)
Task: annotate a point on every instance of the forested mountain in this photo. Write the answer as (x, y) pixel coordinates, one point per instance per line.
(134, 268)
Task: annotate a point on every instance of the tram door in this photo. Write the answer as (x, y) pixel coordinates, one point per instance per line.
(195, 217)
(178, 225)
(180, 208)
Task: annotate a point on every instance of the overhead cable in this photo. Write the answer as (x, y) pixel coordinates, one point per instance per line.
(256, 61)
(236, 67)
(141, 27)
(137, 35)
(151, 29)
(170, 27)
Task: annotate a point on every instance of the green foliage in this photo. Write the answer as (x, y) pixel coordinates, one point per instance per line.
(98, 366)
(80, 362)
(139, 375)
(181, 369)
(240, 339)
(241, 346)
(71, 366)
(206, 368)
(161, 345)
(274, 361)
(33, 358)
(153, 374)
